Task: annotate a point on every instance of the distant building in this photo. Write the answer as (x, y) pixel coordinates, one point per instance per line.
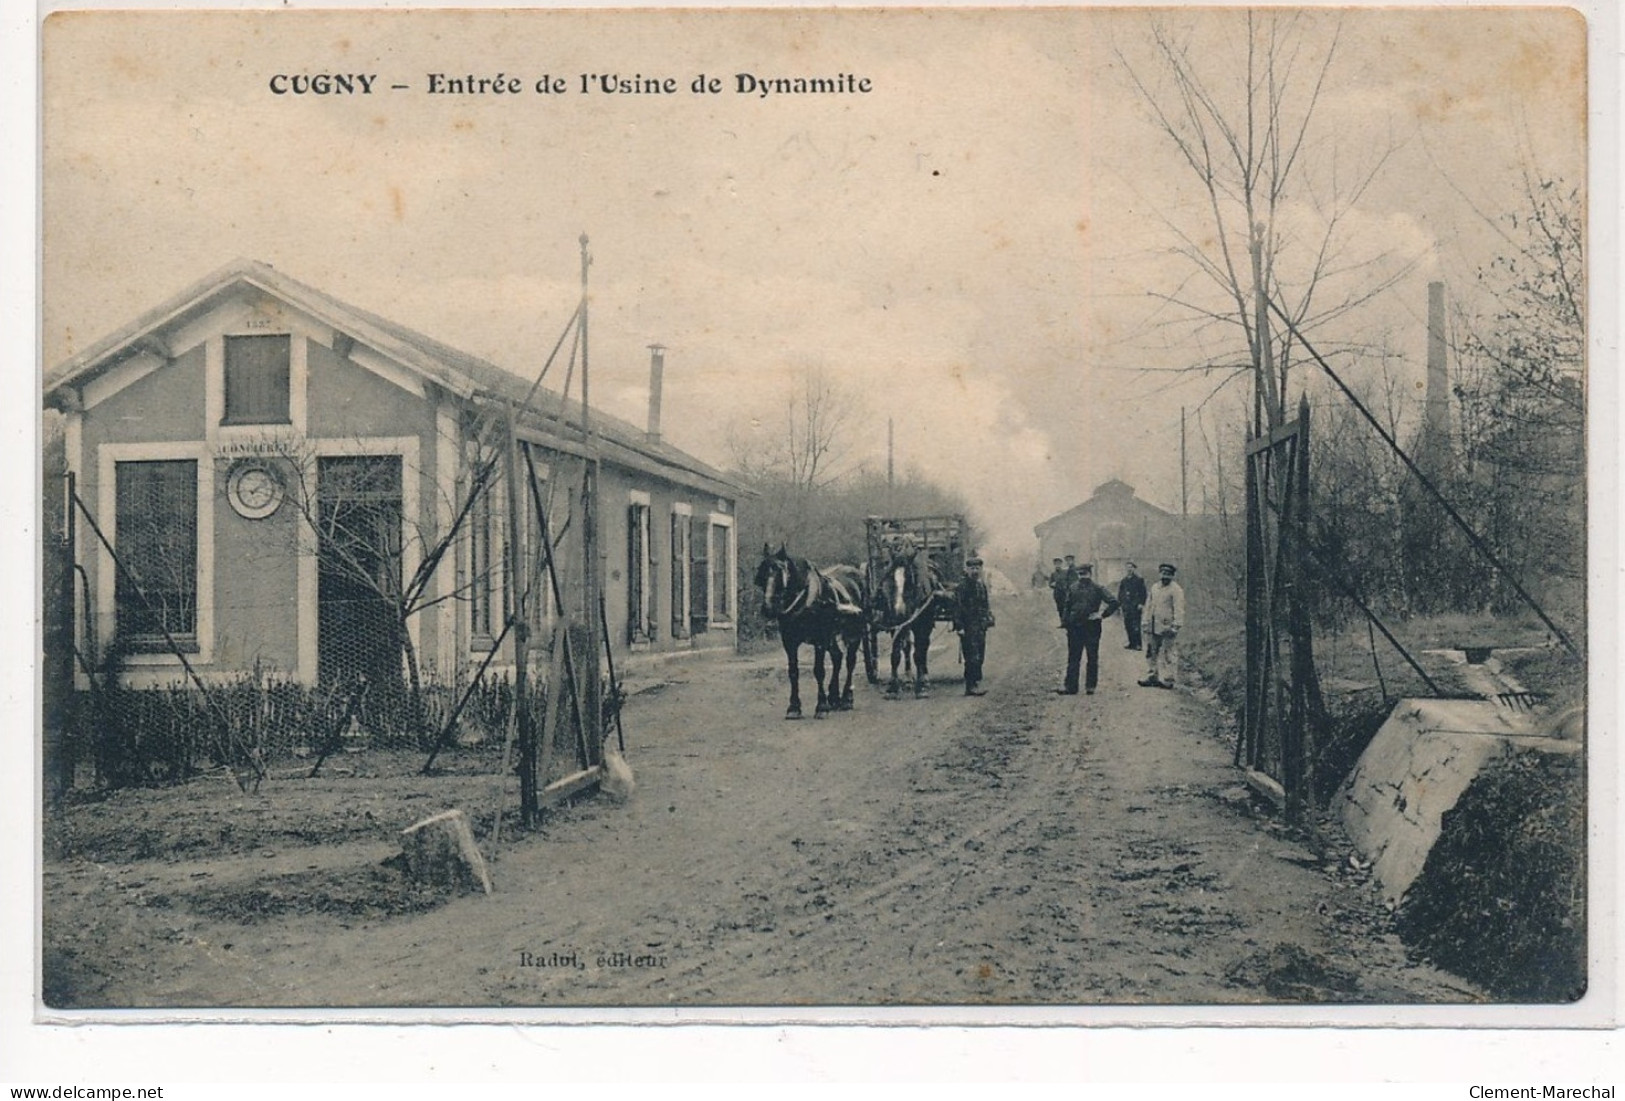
(1113, 527)
(270, 464)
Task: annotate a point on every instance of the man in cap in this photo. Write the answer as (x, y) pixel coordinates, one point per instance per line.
(1086, 605)
(1164, 616)
(973, 615)
(1131, 599)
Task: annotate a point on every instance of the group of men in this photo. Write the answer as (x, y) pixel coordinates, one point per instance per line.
(1152, 617)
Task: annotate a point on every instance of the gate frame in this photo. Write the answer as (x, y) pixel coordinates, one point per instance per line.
(1282, 706)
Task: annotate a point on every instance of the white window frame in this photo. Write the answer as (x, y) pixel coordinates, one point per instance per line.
(447, 454)
(407, 448)
(641, 498)
(485, 522)
(225, 371)
(731, 572)
(108, 456)
(215, 384)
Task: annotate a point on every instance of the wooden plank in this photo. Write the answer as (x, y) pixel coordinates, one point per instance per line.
(1266, 786)
(566, 786)
(1272, 439)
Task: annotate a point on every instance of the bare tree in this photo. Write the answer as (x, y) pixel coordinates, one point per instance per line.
(1520, 388)
(351, 518)
(808, 445)
(1277, 198)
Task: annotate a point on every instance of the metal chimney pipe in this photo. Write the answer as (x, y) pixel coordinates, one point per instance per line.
(657, 369)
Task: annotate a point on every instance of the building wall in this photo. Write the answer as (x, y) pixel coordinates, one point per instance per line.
(621, 490)
(259, 578)
(256, 577)
(256, 580)
(1110, 534)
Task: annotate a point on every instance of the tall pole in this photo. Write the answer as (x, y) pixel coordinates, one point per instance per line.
(1264, 354)
(1184, 494)
(890, 475)
(525, 727)
(592, 575)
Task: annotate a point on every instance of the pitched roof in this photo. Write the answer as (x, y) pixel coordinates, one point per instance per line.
(460, 373)
(1107, 495)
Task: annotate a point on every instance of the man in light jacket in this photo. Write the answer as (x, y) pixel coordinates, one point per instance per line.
(1163, 618)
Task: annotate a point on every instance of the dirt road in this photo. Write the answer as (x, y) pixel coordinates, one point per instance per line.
(1018, 848)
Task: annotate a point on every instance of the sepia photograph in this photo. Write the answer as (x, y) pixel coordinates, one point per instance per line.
(1054, 510)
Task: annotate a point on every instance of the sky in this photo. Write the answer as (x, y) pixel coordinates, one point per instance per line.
(981, 248)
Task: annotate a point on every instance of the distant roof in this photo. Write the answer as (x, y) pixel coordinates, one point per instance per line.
(1113, 494)
(457, 371)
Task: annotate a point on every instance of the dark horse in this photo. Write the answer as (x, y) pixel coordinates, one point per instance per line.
(906, 606)
(823, 607)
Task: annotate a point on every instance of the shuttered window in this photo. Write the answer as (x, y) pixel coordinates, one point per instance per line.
(257, 373)
(637, 573)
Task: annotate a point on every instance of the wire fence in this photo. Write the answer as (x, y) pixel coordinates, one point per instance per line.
(113, 736)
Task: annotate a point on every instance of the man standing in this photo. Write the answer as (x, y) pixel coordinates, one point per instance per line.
(973, 615)
(1131, 599)
(1057, 585)
(1164, 616)
(1086, 605)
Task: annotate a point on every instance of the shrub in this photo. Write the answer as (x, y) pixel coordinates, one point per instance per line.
(1501, 899)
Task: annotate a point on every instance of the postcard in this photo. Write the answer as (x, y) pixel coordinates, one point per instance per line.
(1030, 515)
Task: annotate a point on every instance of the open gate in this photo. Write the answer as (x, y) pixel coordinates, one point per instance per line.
(1283, 706)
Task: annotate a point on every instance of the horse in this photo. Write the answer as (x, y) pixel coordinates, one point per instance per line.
(823, 608)
(906, 607)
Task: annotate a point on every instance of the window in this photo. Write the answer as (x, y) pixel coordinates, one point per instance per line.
(699, 574)
(359, 563)
(156, 532)
(722, 572)
(257, 374)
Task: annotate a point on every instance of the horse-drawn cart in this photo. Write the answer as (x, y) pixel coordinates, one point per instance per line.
(937, 544)
(913, 566)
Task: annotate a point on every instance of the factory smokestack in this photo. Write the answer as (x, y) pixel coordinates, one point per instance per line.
(657, 369)
(1435, 442)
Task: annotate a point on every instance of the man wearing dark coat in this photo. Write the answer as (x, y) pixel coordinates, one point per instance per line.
(1131, 599)
(973, 615)
(1086, 605)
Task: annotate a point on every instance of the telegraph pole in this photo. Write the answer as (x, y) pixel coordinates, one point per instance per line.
(592, 578)
(890, 477)
(1184, 495)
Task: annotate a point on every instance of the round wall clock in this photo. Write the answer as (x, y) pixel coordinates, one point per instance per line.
(254, 489)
